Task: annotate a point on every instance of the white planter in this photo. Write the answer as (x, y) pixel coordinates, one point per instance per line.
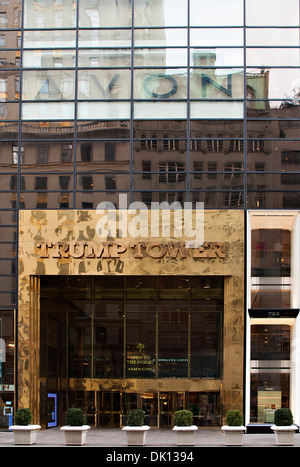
(136, 435)
(75, 435)
(185, 435)
(25, 434)
(284, 435)
(233, 435)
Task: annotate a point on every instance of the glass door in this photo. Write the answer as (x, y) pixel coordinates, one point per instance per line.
(109, 409)
(169, 402)
(52, 410)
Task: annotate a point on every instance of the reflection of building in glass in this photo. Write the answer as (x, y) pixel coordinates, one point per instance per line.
(100, 98)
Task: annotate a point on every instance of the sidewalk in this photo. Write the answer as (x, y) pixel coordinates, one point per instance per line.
(156, 438)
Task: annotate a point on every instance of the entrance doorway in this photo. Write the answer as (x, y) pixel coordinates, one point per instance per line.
(109, 409)
(169, 403)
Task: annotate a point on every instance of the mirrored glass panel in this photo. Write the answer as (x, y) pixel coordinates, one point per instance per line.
(104, 38)
(219, 37)
(9, 85)
(104, 58)
(160, 57)
(48, 85)
(108, 156)
(266, 57)
(9, 155)
(9, 39)
(216, 83)
(90, 200)
(284, 129)
(273, 83)
(154, 13)
(49, 59)
(260, 198)
(44, 200)
(217, 57)
(272, 37)
(217, 110)
(160, 84)
(109, 182)
(104, 13)
(160, 37)
(216, 13)
(48, 111)
(272, 13)
(154, 110)
(48, 156)
(53, 39)
(49, 13)
(106, 110)
(99, 129)
(8, 111)
(47, 131)
(104, 84)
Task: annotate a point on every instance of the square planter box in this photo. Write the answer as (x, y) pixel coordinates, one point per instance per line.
(233, 435)
(185, 435)
(136, 435)
(25, 434)
(75, 435)
(284, 435)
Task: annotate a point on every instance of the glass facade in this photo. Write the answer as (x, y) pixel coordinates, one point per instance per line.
(163, 101)
(160, 100)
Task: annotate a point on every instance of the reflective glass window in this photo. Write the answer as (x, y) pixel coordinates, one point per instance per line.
(48, 85)
(219, 37)
(154, 13)
(267, 57)
(272, 13)
(216, 83)
(160, 37)
(218, 57)
(104, 58)
(160, 57)
(49, 59)
(48, 111)
(216, 13)
(103, 38)
(273, 83)
(217, 110)
(107, 110)
(272, 37)
(45, 39)
(104, 84)
(99, 129)
(50, 14)
(104, 13)
(154, 110)
(160, 84)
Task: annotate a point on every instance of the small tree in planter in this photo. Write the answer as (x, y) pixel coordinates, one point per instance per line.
(135, 429)
(234, 428)
(283, 427)
(24, 432)
(76, 428)
(184, 428)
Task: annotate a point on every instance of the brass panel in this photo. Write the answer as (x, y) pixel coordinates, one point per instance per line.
(222, 255)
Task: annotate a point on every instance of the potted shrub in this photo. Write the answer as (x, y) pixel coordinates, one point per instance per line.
(24, 432)
(75, 428)
(283, 427)
(234, 428)
(136, 430)
(184, 428)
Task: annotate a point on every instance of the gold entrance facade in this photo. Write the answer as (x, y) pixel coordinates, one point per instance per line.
(66, 244)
